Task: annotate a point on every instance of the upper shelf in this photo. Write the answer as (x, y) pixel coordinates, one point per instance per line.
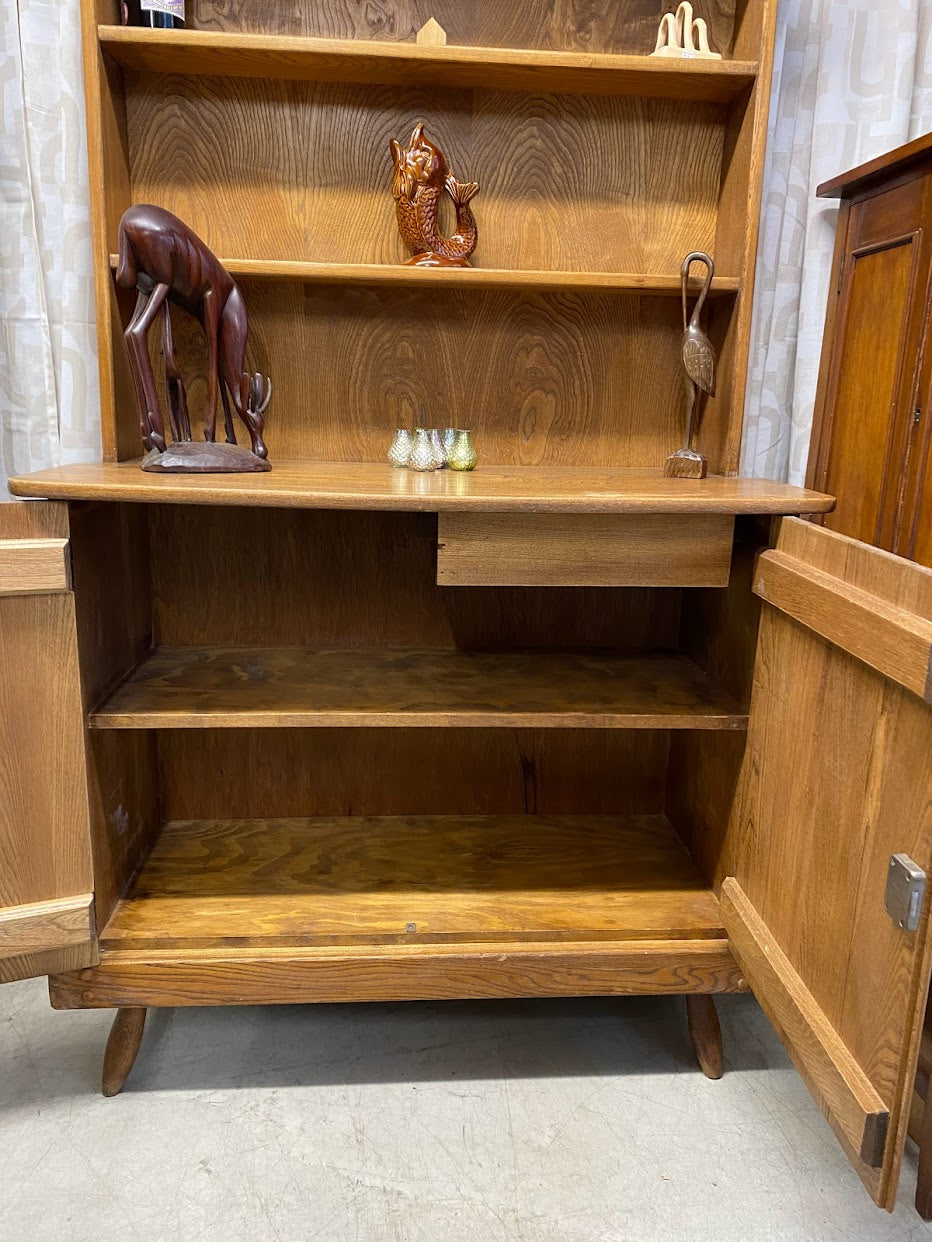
(205, 53)
(463, 277)
(372, 485)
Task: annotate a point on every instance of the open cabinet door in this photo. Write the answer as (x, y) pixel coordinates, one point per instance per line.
(836, 779)
(46, 897)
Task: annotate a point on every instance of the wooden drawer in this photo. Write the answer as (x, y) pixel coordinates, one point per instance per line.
(590, 549)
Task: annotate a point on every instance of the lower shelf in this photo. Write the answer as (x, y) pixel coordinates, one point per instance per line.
(295, 687)
(414, 880)
(291, 911)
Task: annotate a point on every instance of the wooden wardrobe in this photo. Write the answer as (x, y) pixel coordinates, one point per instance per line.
(872, 431)
(558, 727)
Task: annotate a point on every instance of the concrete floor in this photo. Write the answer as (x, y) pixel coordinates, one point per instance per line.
(553, 1121)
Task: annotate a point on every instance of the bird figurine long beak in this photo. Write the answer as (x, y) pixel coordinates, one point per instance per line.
(699, 362)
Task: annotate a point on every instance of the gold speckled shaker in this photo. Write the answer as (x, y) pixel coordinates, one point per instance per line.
(436, 443)
(463, 455)
(422, 454)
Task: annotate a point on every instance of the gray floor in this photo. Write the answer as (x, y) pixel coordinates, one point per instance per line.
(567, 1121)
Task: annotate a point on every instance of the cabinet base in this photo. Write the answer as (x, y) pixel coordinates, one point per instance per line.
(176, 977)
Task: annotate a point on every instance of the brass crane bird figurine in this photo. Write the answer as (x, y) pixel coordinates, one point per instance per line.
(168, 263)
(420, 179)
(699, 361)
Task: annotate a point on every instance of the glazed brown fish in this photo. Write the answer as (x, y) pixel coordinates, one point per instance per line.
(420, 178)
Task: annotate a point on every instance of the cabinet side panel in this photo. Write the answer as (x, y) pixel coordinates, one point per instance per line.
(109, 181)
(719, 630)
(738, 221)
(113, 602)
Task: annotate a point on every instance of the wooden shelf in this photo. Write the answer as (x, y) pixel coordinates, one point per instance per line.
(206, 53)
(372, 485)
(294, 687)
(465, 277)
(288, 883)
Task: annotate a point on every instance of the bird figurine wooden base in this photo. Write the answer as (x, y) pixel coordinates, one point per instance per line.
(699, 362)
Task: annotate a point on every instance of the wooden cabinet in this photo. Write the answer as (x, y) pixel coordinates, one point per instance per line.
(872, 433)
(342, 732)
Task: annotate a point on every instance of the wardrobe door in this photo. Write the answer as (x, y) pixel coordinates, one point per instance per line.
(46, 897)
(866, 435)
(831, 830)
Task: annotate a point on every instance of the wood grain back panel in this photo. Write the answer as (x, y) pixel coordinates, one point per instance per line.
(329, 579)
(574, 25)
(302, 170)
(273, 772)
(298, 171)
(541, 378)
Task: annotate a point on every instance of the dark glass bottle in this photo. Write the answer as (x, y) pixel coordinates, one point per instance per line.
(156, 14)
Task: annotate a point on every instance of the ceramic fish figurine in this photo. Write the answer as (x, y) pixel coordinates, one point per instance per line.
(420, 179)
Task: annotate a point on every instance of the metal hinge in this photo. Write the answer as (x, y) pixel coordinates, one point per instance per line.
(841, 273)
(906, 886)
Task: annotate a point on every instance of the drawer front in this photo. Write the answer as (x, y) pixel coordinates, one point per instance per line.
(555, 549)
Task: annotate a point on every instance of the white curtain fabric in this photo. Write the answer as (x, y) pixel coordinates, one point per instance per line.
(49, 403)
(852, 79)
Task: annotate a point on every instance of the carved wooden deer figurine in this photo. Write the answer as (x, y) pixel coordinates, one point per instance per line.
(166, 262)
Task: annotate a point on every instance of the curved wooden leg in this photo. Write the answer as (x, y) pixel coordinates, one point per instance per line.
(122, 1047)
(706, 1034)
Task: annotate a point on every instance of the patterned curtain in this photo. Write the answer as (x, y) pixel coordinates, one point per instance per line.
(49, 404)
(852, 79)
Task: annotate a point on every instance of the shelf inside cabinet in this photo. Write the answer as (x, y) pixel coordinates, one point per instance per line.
(381, 274)
(414, 881)
(296, 687)
(374, 485)
(206, 53)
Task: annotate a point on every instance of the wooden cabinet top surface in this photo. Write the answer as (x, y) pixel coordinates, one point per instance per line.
(371, 485)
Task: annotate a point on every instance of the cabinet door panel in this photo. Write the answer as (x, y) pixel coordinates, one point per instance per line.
(46, 899)
(837, 778)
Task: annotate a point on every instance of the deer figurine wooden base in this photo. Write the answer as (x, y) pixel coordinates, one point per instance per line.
(168, 264)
